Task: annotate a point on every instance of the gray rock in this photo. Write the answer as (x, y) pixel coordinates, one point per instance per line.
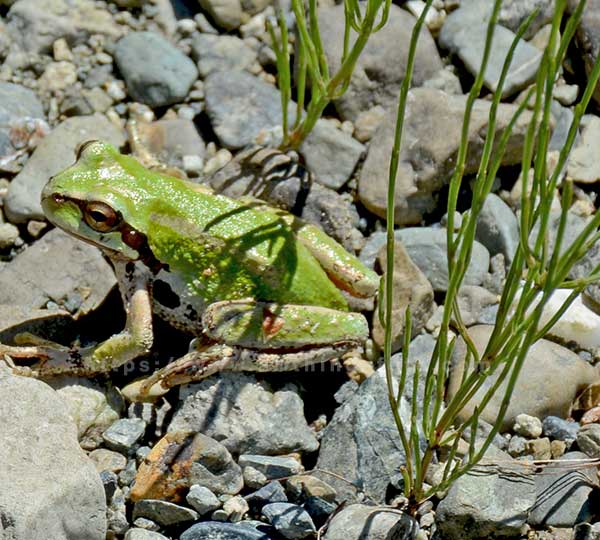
(240, 105)
(272, 467)
(427, 160)
(127, 475)
(156, 72)
(56, 269)
(289, 520)
(123, 434)
(582, 167)
(558, 428)
(359, 522)
(488, 501)
(18, 107)
(319, 510)
(325, 141)
(51, 488)
(588, 37)
(222, 531)
(563, 494)
(317, 205)
(361, 443)
(245, 415)
(498, 228)
(163, 512)
(468, 42)
(92, 407)
(550, 379)
(143, 534)
(410, 289)
(228, 14)
(588, 440)
(517, 446)
(426, 247)
(446, 81)
(108, 460)
(36, 24)
(54, 153)
(474, 303)
(221, 53)
(382, 65)
(271, 493)
(202, 499)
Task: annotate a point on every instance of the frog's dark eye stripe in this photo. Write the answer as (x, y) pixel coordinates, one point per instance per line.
(81, 147)
(100, 217)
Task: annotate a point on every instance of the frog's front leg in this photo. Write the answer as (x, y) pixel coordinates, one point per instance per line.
(262, 336)
(135, 340)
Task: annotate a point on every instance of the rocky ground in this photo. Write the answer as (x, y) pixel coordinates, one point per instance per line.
(227, 458)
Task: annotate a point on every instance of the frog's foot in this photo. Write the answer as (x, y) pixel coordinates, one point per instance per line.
(198, 365)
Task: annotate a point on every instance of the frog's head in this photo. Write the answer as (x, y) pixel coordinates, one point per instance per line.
(100, 199)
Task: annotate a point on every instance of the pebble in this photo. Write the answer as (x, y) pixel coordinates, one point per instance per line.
(270, 493)
(202, 499)
(124, 434)
(181, 459)
(143, 534)
(221, 53)
(235, 508)
(559, 428)
(582, 167)
(245, 415)
(540, 449)
(272, 467)
(588, 440)
(517, 446)
(107, 460)
(218, 161)
(253, 478)
(306, 485)
(527, 426)
(497, 227)
(163, 512)
(156, 72)
(9, 234)
(319, 510)
(289, 520)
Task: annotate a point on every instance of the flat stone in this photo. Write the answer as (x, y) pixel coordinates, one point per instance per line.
(273, 467)
(351, 522)
(59, 270)
(202, 499)
(427, 248)
(550, 379)
(222, 531)
(498, 228)
(155, 71)
(123, 434)
(468, 42)
(271, 493)
(426, 161)
(381, 67)
(487, 501)
(51, 488)
(563, 494)
(163, 512)
(54, 153)
(221, 53)
(289, 520)
(181, 459)
(588, 440)
(107, 460)
(245, 415)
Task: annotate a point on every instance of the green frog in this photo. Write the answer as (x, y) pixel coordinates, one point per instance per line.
(259, 288)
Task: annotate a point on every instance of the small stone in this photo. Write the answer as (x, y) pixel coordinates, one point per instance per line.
(582, 167)
(186, 26)
(127, 475)
(163, 512)
(124, 434)
(116, 91)
(516, 446)
(565, 94)
(497, 227)
(107, 460)
(223, 531)
(221, 53)
(58, 76)
(110, 483)
(202, 499)
(193, 165)
(319, 509)
(310, 486)
(9, 234)
(588, 440)
(156, 72)
(218, 161)
(272, 492)
(540, 449)
(143, 534)
(272, 467)
(253, 478)
(61, 51)
(235, 508)
(290, 520)
(558, 428)
(527, 426)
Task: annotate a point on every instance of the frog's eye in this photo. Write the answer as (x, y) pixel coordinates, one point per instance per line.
(82, 146)
(100, 217)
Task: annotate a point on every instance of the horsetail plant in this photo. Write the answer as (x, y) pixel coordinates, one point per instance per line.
(534, 274)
